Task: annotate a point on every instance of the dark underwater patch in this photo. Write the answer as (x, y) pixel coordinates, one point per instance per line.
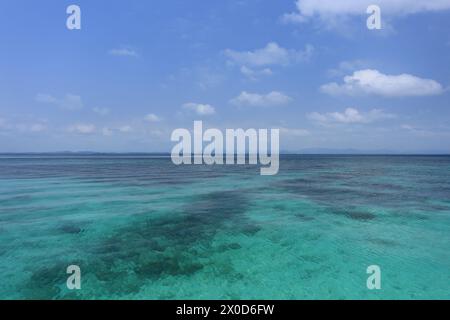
(312, 258)
(46, 283)
(177, 244)
(386, 187)
(304, 217)
(229, 247)
(249, 229)
(159, 265)
(360, 215)
(354, 214)
(70, 229)
(338, 194)
(383, 242)
(234, 246)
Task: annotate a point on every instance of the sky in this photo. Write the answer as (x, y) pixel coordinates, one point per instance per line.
(137, 70)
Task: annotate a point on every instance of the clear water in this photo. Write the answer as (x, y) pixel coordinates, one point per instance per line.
(142, 228)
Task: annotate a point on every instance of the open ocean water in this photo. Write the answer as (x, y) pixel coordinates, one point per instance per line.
(141, 228)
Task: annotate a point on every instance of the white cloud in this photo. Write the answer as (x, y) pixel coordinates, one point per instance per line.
(45, 98)
(329, 10)
(107, 132)
(152, 118)
(407, 127)
(272, 54)
(101, 111)
(255, 74)
(206, 78)
(350, 116)
(38, 127)
(346, 67)
(200, 109)
(374, 82)
(293, 17)
(82, 128)
(123, 52)
(23, 127)
(417, 131)
(125, 129)
(68, 102)
(273, 98)
(71, 102)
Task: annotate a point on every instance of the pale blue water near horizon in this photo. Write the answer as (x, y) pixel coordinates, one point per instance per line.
(141, 228)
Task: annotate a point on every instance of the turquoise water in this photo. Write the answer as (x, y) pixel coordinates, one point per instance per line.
(142, 228)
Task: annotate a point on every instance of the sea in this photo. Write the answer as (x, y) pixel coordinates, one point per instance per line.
(140, 227)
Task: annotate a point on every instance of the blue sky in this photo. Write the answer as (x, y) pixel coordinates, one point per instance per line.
(139, 69)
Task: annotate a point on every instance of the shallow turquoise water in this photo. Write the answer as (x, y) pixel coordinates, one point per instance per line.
(142, 228)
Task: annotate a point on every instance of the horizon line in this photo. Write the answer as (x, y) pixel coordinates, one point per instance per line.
(343, 153)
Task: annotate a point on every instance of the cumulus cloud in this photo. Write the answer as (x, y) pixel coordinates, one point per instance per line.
(82, 128)
(152, 118)
(123, 52)
(328, 10)
(273, 98)
(374, 82)
(68, 102)
(271, 54)
(350, 116)
(200, 109)
(255, 64)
